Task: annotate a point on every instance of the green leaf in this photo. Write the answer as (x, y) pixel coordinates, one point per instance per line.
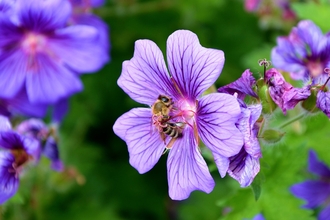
(318, 13)
(256, 187)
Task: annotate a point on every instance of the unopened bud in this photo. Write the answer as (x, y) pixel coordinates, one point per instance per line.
(268, 105)
(310, 103)
(272, 136)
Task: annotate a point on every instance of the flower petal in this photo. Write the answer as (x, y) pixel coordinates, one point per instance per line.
(21, 105)
(145, 145)
(186, 169)
(313, 192)
(323, 102)
(193, 67)
(60, 109)
(43, 15)
(49, 81)
(325, 213)
(4, 123)
(145, 76)
(51, 151)
(216, 118)
(243, 167)
(222, 164)
(8, 181)
(242, 86)
(11, 140)
(13, 66)
(316, 166)
(78, 47)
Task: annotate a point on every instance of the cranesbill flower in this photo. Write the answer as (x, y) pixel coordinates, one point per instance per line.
(16, 151)
(315, 192)
(178, 116)
(40, 54)
(283, 93)
(304, 53)
(245, 165)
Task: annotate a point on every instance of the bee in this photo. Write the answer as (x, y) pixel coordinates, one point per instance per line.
(161, 108)
(173, 130)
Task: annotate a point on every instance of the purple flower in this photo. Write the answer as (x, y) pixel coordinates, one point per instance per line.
(44, 136)
(323, 102)
(16, 152)
(315, 192)
(40, 54)
(82, 14)
(242, 86)
(258, 217)
(304, 53)
(283, 93)
(187, 118)
(245, 165)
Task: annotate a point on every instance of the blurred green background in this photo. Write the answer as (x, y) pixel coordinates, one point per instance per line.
(99, 183)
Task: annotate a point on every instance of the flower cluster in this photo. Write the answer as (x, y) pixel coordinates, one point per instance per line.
(21, 145)
(180, 117)
(44, 46)
(305, 55)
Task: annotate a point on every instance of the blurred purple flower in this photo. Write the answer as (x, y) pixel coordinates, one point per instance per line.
(15, 152)
(193, 69)
(258, 217)
(245, 165)
(39, 54)
(39, 131)
(305, 53)
(252, 5)
(315, 192)
(283, 93)
(82, 14)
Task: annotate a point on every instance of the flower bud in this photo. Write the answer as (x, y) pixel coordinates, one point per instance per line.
(268, 105)
(272, 136)
(310, 103)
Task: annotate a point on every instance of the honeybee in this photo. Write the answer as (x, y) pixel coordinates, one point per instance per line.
(162, 107)
(173, 130)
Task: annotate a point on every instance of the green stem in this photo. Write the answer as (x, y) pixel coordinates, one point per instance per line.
(293, 120)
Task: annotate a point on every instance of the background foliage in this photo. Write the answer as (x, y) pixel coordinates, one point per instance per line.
(99, 183)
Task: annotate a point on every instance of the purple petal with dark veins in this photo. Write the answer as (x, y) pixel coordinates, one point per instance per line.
(11, 140)
(243, 167)
(313, 192)
(186, 169)
(8, 180)
(48, 82)
(216, 117)
(242, 86)
(144, 142)
(43, 15)
(323, 102)
(316, 166)
(145, 76)
(193, 67)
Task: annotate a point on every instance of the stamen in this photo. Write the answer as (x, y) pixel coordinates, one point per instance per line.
(265, 63)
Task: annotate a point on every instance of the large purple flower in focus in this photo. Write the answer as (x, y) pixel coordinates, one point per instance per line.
(15, 152)
(40, 54)
(211, 118)
(305, 53)
(315, 192)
